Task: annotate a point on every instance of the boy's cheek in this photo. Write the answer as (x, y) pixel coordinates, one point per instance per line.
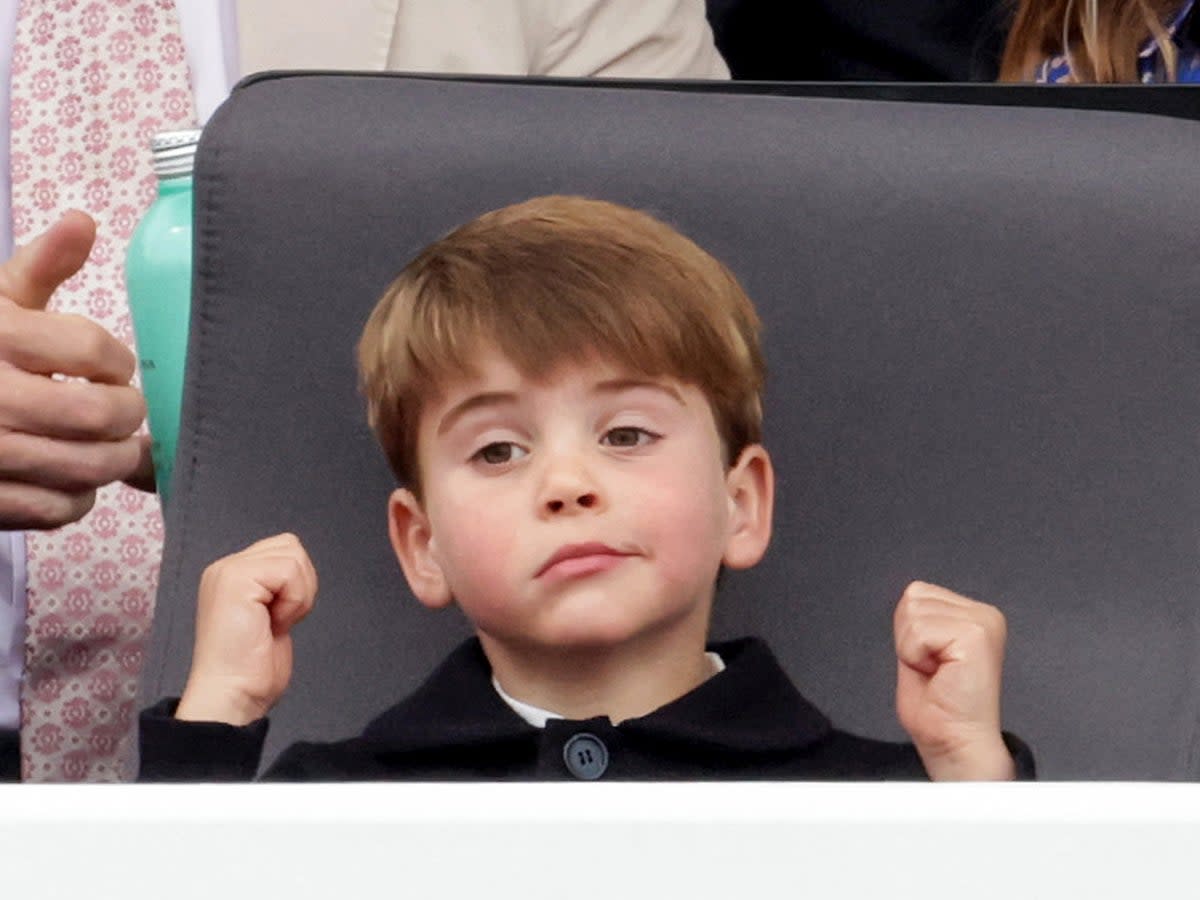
(479, 551)
(686, 538)
(473, 544)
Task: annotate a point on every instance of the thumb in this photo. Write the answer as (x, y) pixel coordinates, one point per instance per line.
(36, 269)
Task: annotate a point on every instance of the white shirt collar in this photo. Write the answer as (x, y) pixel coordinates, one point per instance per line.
(538, 717)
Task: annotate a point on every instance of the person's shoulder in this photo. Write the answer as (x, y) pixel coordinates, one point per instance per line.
(799, 739)
(453, 726)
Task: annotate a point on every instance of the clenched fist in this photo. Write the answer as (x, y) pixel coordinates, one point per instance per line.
(950, 652)
(248, 603)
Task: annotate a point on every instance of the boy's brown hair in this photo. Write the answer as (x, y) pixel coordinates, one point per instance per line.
(552, 280)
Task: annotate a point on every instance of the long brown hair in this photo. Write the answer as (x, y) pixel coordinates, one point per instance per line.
(1100, 38)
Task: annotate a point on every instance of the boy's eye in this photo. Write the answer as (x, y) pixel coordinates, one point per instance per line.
(499, 452)
(628, 436)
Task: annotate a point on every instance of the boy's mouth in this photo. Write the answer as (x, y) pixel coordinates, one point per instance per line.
(581, 559)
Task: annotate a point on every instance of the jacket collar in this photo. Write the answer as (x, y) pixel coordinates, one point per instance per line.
(752, 706)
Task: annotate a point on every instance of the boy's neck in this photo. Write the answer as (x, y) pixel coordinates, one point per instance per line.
(622, 682)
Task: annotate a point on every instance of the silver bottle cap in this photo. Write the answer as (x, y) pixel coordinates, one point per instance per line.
(174, 152)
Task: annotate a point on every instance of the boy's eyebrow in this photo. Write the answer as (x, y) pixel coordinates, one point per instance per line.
(506, 398)
(475, 401)
(616, 385)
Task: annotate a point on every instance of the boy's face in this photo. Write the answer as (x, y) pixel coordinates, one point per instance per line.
(589, 509)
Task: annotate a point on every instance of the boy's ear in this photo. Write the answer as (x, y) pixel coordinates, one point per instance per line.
(412, 541)
(751, 486)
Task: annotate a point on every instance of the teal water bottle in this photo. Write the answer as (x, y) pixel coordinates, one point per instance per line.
(158, 278)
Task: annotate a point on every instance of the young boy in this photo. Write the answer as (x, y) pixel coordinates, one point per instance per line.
(569, 392)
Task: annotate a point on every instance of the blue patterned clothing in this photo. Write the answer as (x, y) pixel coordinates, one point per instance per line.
(1151, 66)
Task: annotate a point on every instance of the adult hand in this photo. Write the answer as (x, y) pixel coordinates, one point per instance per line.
(61, 439)
(248, 603)
(950, 652)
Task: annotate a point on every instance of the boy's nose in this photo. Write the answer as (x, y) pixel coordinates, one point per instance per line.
(584, 501)
(568, 487)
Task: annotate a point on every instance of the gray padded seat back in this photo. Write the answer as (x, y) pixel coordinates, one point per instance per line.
(982, 333)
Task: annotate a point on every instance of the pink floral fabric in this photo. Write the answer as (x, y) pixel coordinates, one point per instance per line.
(92, 81)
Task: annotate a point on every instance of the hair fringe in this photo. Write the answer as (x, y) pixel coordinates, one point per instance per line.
(548, 282)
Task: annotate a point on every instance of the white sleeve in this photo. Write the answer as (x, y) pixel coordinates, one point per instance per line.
(12, 626)
(210, 38)
(12, 544)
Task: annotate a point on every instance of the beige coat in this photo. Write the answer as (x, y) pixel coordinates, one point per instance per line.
(616, 38)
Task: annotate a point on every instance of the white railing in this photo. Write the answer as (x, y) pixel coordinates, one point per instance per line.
(664, 841)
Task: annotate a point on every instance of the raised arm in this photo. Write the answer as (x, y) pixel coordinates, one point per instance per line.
(950, 652)
(248, 603)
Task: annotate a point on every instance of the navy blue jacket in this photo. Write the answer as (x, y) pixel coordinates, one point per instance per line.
(748, 722)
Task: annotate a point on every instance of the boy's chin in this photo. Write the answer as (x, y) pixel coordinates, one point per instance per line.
(573, 640)
(600, 632)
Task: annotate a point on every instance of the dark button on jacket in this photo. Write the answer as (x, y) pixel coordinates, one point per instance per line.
(585, 756)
